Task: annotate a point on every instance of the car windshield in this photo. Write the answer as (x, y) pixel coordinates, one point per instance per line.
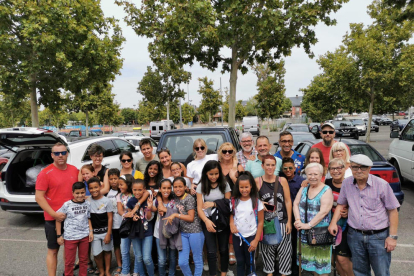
(403, 122)
(358, 122)
(293, 128)
(339, 124)
(297, 138)
(367, 150)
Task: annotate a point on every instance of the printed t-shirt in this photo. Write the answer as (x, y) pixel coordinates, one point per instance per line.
(76, 224)
(170, 204)
(184, 205)
(245, 218)
(99, 216)
(123, 199)
(215, 194)
(195, 167)
(148, 224)
(57, 185)
(298, 158)
(117, 219)
(142, 163)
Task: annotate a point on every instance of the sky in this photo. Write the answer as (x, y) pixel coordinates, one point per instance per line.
(300, 69)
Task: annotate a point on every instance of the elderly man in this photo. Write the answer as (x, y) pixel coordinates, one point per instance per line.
(286, 144)
(248, 151)
(372, 218)
(255, 166)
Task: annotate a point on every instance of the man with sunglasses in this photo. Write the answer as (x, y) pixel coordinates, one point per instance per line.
(146, 149)
(248, 152)
(286, 144)
(53, 188)
(372, 218)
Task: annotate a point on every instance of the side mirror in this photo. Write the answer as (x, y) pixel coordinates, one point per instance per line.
(136, 148)
(394, 134)
(276, 143)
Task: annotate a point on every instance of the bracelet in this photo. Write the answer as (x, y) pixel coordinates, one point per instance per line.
(310, 225)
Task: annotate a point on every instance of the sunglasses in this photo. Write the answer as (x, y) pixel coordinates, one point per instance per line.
(126, 160)
(328, 131)
(199, 148)
(57, 153)
(288, 168)
(163, 149)
(286, 141)
(362, 168)
(227, 151)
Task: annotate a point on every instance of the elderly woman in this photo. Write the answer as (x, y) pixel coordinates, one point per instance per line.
(319, 198)
(343, 254)
(340, 150)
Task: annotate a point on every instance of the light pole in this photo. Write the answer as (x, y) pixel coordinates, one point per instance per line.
(221, 113)
(181, 118)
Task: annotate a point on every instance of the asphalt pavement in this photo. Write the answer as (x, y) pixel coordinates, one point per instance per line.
(23, 242)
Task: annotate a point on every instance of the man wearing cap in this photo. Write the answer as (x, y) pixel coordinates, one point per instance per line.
(372, 218)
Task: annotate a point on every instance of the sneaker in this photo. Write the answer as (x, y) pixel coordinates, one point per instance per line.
(230, 273)
(135, 274)
(205, 267)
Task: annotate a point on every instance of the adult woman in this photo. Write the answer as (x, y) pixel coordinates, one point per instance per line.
(340, 150)
(96, 153)
(195, 168)
(343, 253)
(280, 209)
(127, 164)
(165, 158)
(318, 198)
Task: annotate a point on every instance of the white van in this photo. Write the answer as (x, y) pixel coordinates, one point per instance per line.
(251, 124)
(158, 127)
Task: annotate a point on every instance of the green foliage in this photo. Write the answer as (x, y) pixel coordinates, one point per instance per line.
(251, 107)
(57, 118)
(108, 112)
(188, 113)
(211, 99)
(129, 115)
(405, 6)
(254, 31)
(287, 105)
(240, 111)
(13, 113)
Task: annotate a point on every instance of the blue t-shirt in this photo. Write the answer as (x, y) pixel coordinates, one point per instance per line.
(148, 225)
(294, 185)
(87, 190)
(297, 157)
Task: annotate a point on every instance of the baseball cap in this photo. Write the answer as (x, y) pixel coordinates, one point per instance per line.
(327, 124)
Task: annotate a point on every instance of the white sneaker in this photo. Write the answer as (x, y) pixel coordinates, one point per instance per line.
(230, 273)
(205, 267)
(135, 274)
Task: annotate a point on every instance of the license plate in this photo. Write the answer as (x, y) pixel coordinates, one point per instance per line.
(346, 134)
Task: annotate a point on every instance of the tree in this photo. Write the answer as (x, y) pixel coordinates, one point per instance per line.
(57, 119)
(108, 112)
(405, 6)
(129, 115)
(287, 105)
(13, 113)
(251, 107)
(240, 111)
(198, 30)
(53, 46)
(188, 113)
(211, 99)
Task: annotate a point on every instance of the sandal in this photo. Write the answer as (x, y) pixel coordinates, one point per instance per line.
(76, 265)
(232, 259)
(91, 269)
(96, 271)
(118, 271)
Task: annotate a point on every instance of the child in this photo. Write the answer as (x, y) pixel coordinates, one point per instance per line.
(165, 198)
(153, 176)
(191, 233)
(77, 230)
(213, 186)
(113, 176)
(87, 171)
(177, 171)
(142, 213)
(247, 219)
(101, 217)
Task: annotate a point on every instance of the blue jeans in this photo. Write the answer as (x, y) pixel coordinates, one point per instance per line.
(144, 254)
(162, 259)
(368, 252)
(125, 247)
(193, 242)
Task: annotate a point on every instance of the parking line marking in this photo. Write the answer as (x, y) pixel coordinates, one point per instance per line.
(405, 245)
(23, 228)
(402, 261)
(15, 240)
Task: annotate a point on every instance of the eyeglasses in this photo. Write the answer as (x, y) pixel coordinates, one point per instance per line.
(286, 141)
(336, 169)
(362, 168)
(57, 153)
(199, 148)
(328, 131)
(339, 150)
(126, 160)
(288, 168)
(227, 151)
(246, 141)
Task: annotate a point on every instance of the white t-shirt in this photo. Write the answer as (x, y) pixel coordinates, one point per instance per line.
(245, 219)
(195, 167)
(117, 218)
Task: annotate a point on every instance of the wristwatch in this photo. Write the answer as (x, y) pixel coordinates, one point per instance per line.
(393, 237)
(58, 236)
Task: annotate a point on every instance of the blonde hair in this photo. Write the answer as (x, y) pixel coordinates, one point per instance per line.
(340, 145)
(203, 144)
(225, 145)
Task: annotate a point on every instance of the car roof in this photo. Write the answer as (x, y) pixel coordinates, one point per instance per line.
(196, 129)
(300, 133)
(298, 125)
(94, 139)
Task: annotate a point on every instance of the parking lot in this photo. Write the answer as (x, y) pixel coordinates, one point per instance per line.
(23, 243)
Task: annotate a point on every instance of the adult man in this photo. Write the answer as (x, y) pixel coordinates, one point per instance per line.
(248, 151)
(286, 144)
(372, 218)
(255, 166)
(146, 149)
(53, 188)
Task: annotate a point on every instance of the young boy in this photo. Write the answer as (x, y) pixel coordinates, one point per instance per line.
(101, 218)
(113, 176)
(77, 230)
(146, 149)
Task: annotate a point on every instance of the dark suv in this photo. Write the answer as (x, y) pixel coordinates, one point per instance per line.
(345, 129)
(180, 141)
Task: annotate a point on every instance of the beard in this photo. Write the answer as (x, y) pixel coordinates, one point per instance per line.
(248, 149)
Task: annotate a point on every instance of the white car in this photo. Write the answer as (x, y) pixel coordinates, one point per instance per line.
(34, 149)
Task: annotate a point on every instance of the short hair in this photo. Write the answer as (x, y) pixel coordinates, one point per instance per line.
(95, 149)
(268, 157)
(58, 144)
(287, 160)
(78, 185)
(225, 145)
(144, 142)
(245, 135)
(262, 137)
(340, 145)
(114, 171)
(338, 161)
(314, 165)
(284, 133)
(138, 181)
(94, 180)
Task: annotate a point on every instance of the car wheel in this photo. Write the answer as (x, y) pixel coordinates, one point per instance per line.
(397, 168)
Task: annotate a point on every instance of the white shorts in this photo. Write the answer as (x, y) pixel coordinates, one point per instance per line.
(98, 244)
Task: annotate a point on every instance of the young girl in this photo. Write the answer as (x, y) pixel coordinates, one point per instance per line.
(177, 171)
(166, 199)
(213, 187)
(153, 176)
(142, 213)
(87, 172)
(191, 233)
(247, 219)
(314, 155)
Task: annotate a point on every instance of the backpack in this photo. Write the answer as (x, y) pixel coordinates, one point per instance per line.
(233, 205)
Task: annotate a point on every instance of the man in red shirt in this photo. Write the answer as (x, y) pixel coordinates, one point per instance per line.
(53, 188)
(327, 135)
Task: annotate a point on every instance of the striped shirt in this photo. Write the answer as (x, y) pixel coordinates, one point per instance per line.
(242, 160)
(368, 207)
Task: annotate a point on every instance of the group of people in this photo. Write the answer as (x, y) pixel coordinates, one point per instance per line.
(222, 206)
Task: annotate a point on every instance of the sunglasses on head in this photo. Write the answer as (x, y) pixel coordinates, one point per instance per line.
(227, 151)
(328, 131)
(57, 153)
(199, 148)
(163, 149)
(126, 160)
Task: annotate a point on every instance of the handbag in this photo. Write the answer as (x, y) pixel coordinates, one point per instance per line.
(273, 238)
(125, 228)
(317, 235)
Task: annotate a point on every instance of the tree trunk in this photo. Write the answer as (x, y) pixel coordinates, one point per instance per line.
(87, 122)
(268, 124)
(233, 84)
(33, 102)
(168, 115)
(371, 108)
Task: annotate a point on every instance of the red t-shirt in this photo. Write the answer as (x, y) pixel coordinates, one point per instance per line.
(57, 184)
(326, 150)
